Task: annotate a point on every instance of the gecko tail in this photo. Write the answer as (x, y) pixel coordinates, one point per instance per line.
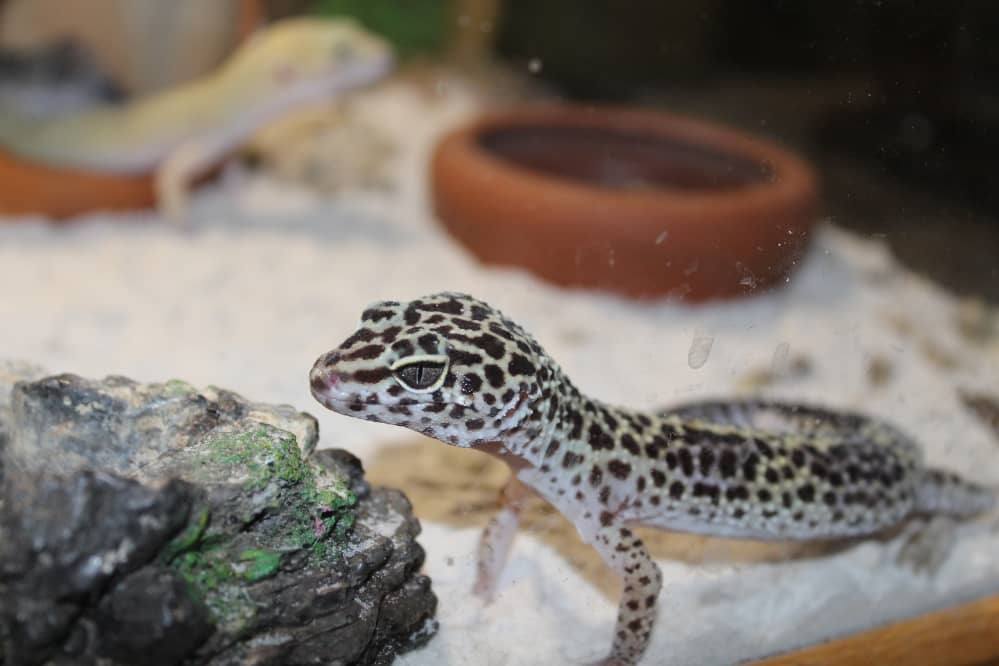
(945, 493)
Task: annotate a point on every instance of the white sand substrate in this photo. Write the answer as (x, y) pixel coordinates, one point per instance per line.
(270, 276)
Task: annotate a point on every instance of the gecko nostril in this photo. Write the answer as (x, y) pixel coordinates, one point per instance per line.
(322, 377)
(316, 381)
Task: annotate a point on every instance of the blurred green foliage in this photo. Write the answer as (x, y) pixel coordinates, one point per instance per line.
(413, 26)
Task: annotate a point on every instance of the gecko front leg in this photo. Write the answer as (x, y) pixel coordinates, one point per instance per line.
(175, 176)
(625, 553)
(497, 537)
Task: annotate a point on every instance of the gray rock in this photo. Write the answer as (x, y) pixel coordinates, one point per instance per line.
(159, 524)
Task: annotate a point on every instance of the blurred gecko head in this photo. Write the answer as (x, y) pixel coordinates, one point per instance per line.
(446, 365)
(308, 57)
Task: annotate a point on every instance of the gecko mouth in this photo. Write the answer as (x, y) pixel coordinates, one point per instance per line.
(340, 404)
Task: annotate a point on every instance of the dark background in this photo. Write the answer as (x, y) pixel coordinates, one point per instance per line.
(896, 102)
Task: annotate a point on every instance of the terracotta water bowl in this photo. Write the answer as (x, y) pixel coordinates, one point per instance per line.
(28, 188)
(642, 203)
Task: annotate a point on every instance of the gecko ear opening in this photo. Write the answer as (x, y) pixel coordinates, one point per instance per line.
(422, 374)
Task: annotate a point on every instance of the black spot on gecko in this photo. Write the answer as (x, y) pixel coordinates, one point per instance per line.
(619, 469)
(389, 334)
(451, 306)
(598, 439)
(727, 463)
(707, 460)
(371, 376)
(403, 347)
(361, 335)
(671, 460)
(495, 375)
(630, 445)
(571, 459)
(596, 476)
(428, 343)
(708, 490)
(733, 493)
(470, 383)
(763, 448)
(375, 315)
(412, 315)
(686, 461)
(500, 331)
(519, 365)
(365, 353)
(489, 344)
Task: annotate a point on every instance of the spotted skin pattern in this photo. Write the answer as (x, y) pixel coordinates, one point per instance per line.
(454, 368)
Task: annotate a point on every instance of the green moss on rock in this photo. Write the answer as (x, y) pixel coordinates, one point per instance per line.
(306, 508)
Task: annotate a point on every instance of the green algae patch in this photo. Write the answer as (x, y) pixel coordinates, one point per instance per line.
(259, 564)
(275, 504)
(266, 455)
(176, 388)
(188, 538)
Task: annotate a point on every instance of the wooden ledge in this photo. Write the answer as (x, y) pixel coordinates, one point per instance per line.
(963, 635)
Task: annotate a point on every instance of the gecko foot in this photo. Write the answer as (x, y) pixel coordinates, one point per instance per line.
(611, 661)
(927, 545)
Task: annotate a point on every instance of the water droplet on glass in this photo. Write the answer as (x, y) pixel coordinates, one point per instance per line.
(534, 65)
(779, 364)
(700, 349)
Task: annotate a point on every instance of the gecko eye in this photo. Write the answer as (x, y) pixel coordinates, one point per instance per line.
(422, 374)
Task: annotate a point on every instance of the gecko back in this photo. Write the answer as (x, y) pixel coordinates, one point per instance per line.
(871, 454)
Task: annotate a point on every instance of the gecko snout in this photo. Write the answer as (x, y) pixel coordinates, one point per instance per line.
(323, 375)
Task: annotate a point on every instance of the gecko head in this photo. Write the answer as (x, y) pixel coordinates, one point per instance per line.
(446, 365)
(324, 55)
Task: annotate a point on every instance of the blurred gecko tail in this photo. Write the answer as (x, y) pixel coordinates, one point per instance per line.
(948, 494)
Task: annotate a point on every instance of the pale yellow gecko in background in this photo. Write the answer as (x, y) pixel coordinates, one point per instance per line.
(181, 133)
